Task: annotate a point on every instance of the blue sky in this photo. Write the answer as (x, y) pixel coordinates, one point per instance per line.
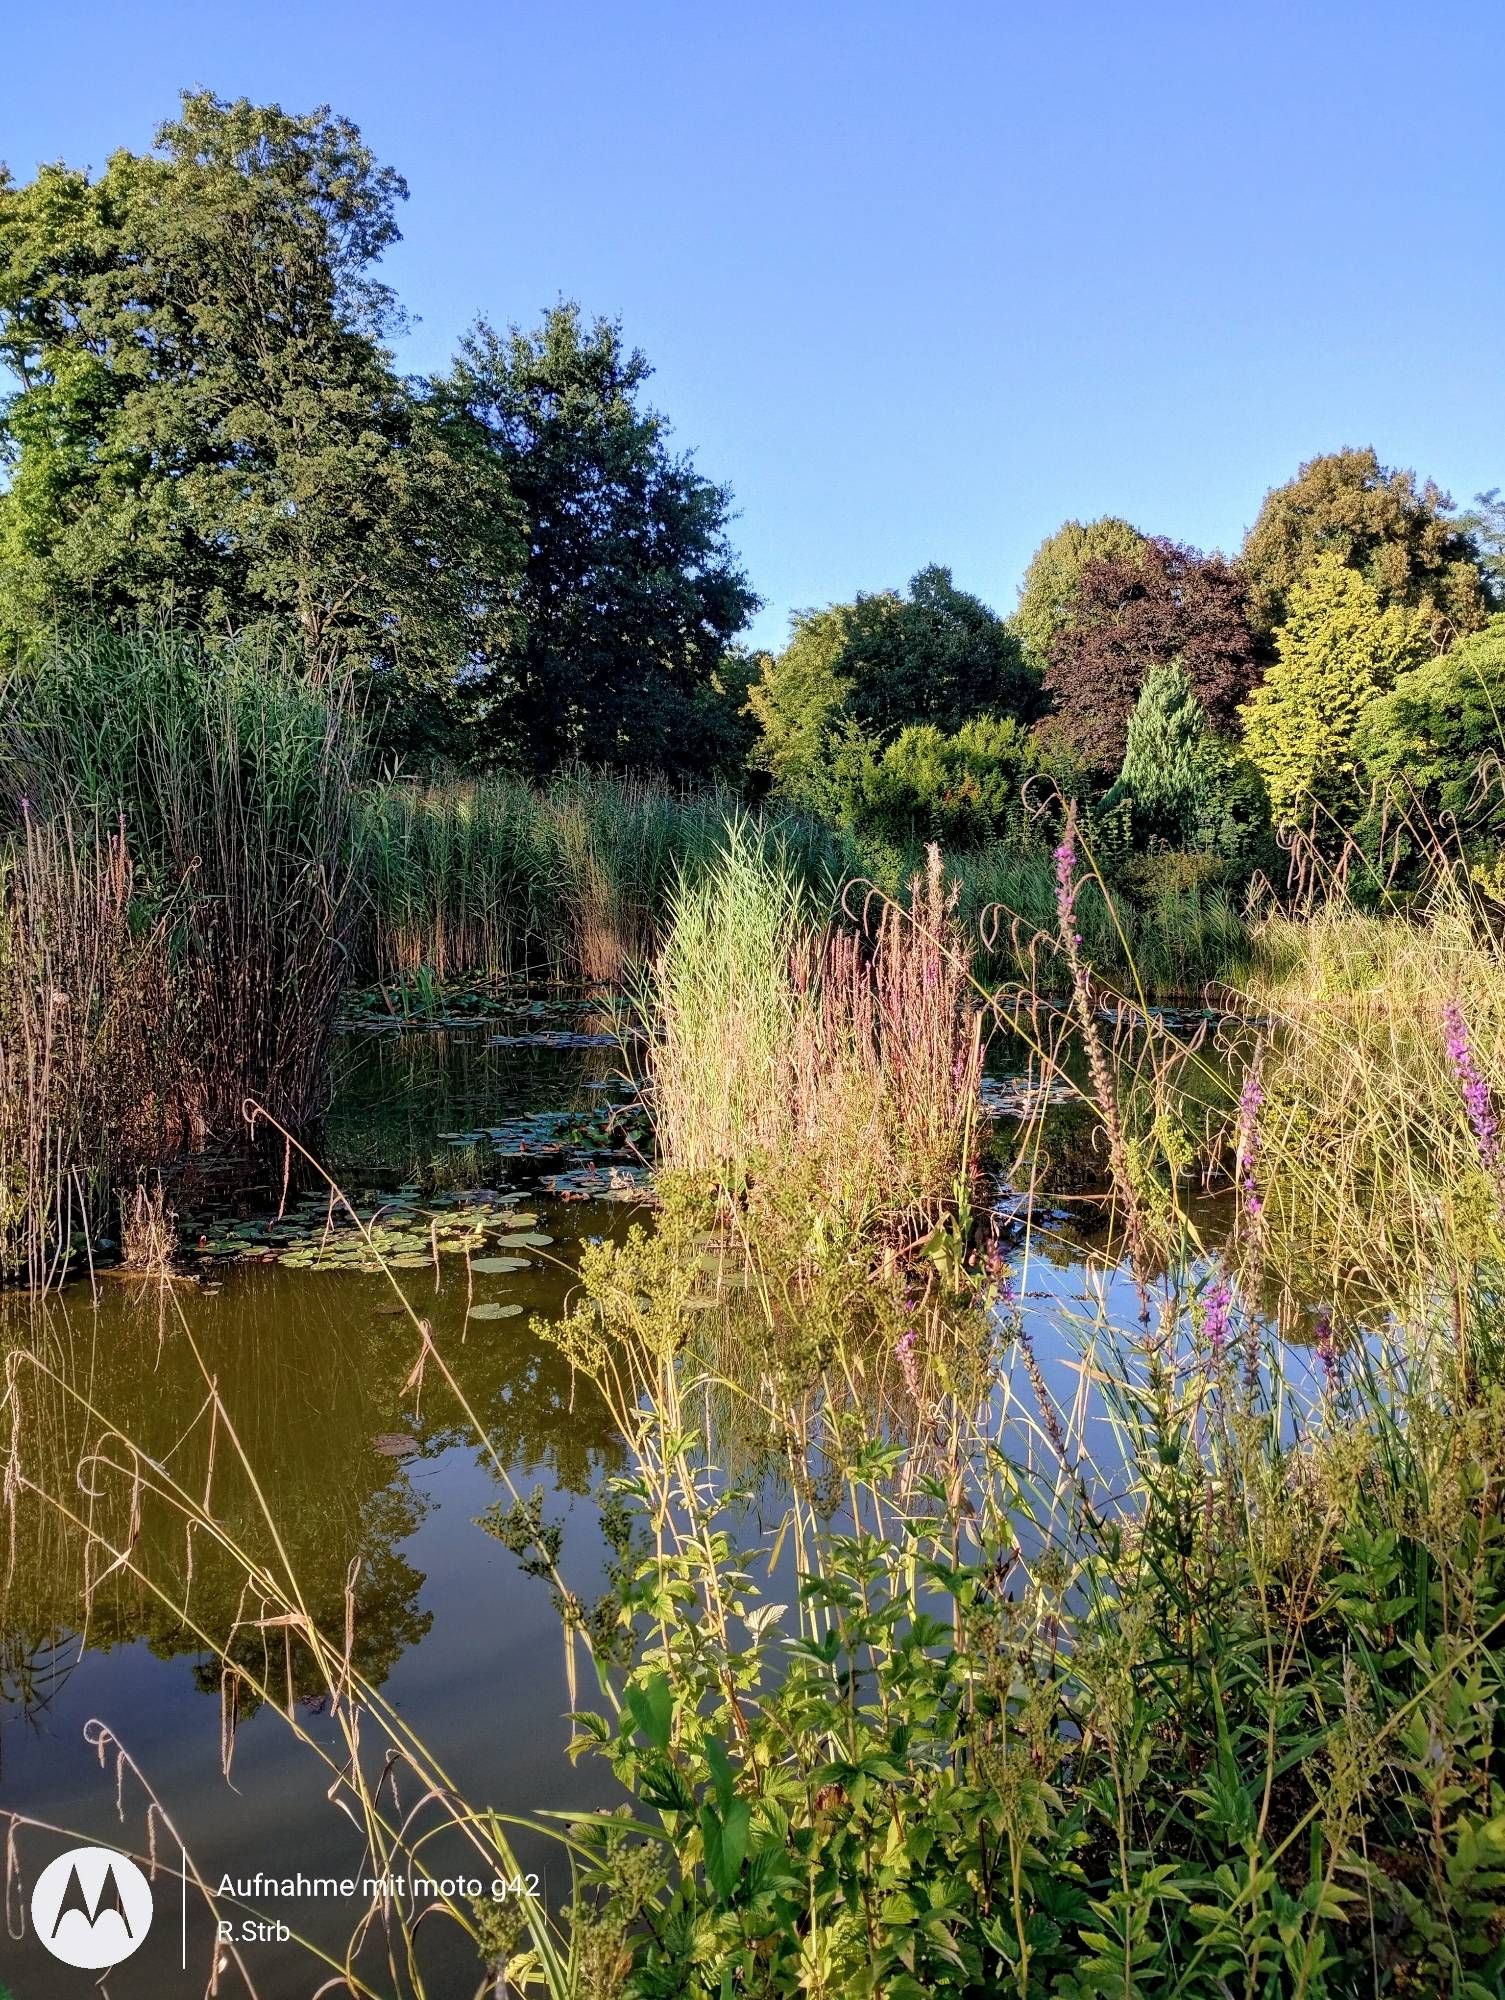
(920, 280)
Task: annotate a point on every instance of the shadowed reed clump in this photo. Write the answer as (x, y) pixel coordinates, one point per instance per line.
(205, 792)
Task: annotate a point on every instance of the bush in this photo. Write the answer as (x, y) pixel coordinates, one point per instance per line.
(960, 789)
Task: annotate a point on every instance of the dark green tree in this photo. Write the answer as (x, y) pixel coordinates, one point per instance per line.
(1436, 740)
(617, 647)
(205, 424)
(856, 674)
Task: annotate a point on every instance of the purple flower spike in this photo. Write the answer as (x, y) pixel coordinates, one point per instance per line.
(1327, 1350)
(904, 1349)
(1065, 858)
(1476, 1099)
(1215, 1309)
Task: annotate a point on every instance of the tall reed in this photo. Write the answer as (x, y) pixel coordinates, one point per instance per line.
(228, 782)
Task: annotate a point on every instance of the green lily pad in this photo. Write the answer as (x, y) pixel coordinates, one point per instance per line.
(491, 1310)
(494, 1266)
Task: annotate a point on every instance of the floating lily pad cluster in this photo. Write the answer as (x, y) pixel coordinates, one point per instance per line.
(582, 1134)
(1022, 1096)
(423, 1003)
(552, 1038)
(402, 1231)
(618, 1181)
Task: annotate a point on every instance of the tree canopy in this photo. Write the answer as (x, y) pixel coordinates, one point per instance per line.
(1401, 537)
(1339, 647)
(206, 425)
(1438, 736)
(1052, 584)
(616, 649)
(1165, 602)
(859, 673)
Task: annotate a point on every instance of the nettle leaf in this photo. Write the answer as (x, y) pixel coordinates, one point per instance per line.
(651, 1704)
(722, 1775)
(725, 1841)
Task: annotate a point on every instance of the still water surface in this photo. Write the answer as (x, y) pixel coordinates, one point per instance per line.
(311, 1367)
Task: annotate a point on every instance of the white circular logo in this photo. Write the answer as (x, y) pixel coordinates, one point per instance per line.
(91, 1907)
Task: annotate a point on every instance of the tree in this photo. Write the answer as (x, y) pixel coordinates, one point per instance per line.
(1438, 737)
(205, 423)
(1052, 583)
(1338, 648)
(1170, 761)
(1402, 539)
(853, 675)
(1484, 524)
(630, 594)
(1166, 603)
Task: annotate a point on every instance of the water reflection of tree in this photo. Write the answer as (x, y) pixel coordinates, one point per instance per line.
(110, 1404)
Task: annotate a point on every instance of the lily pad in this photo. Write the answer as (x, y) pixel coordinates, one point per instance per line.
(491, 1310)
(494, 1266)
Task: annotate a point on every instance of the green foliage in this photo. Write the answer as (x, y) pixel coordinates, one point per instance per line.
(206, 425)
(853, 675)
(1403, 539)
(1049, 592)
(1239, 1735)
(961, 789)
(1338, 648)
(615, 645)
(1437, 738)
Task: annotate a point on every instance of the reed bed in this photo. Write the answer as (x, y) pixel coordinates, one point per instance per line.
(495, 879)
(84, 1092)
(181, 871)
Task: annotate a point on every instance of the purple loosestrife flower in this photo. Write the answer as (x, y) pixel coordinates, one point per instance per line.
(1066, 883)
(1215, 1310)
(904, 1349)
(1476, 1101)
(1327, 1350)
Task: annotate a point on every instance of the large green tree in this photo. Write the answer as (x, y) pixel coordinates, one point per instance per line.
(853, 675)
(1052, 584)
(1402, 537)
(204, 422)
(1338, 648)
(1171, 762)
(618, 646)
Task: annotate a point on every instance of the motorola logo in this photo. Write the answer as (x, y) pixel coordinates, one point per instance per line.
(91, 1907)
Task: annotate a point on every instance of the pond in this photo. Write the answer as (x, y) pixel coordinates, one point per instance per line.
(359, 1473)
(477, 1152)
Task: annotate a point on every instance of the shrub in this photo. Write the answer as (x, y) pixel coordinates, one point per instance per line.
(960, 789)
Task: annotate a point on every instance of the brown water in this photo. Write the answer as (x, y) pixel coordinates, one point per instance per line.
(312, 1367)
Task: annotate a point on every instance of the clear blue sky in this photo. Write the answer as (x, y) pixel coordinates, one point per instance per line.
(920, 280)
